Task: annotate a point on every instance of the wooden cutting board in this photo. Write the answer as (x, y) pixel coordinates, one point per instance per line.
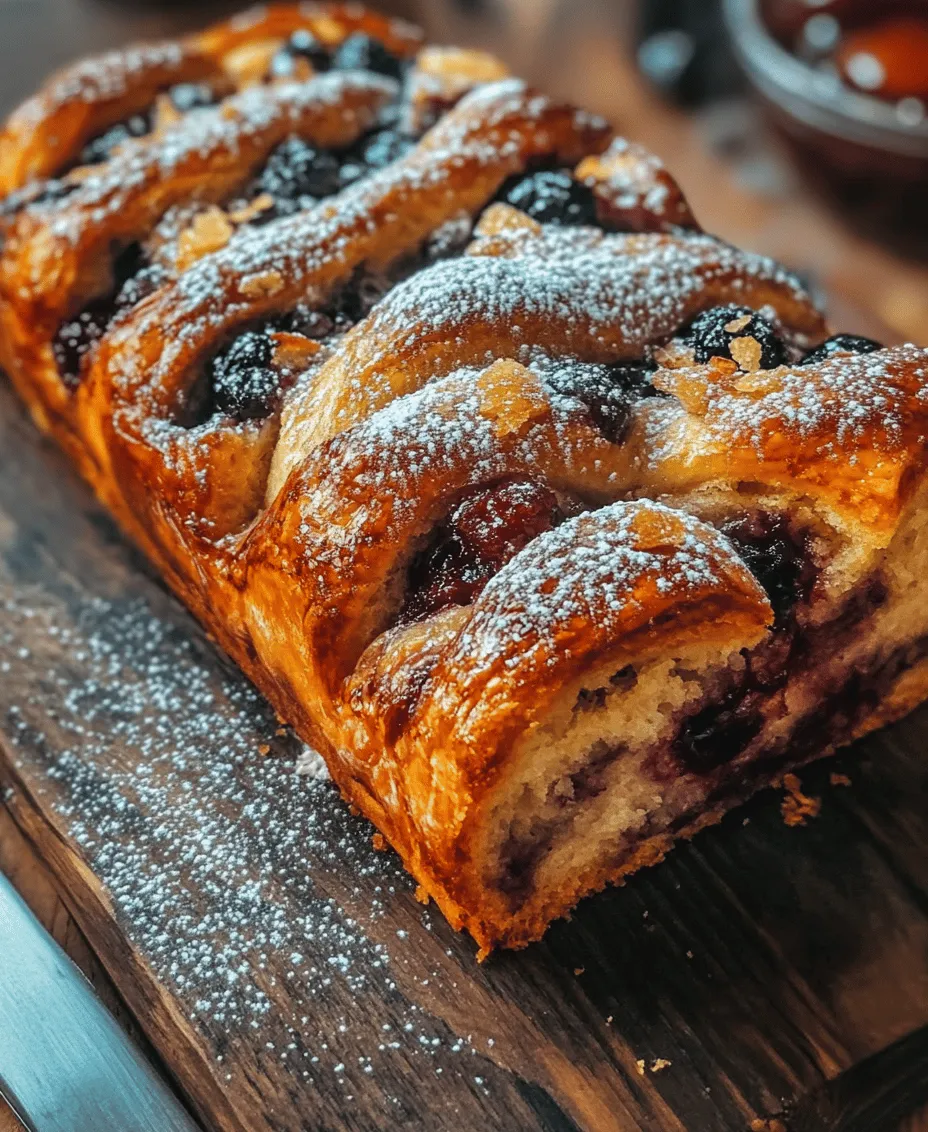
(288, 978)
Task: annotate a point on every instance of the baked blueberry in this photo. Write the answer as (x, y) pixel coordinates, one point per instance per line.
(301, 45)
(361, 52)
(737, 333)
(486, 529)
(551, 197)
(777, 557)
(841, 344)
(191, 96)
(607, 391)
(78, 335)
(245, 384)
(100, 148)
(297, 173)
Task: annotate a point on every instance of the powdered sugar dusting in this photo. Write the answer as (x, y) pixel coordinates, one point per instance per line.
(875, 403)
(107, 76)
(597, 569)
(310, 764)
(208, 133)
(222, 866)
(591, 296)
(392, 210)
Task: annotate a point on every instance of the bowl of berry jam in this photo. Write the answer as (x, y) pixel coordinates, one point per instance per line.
(846, 83)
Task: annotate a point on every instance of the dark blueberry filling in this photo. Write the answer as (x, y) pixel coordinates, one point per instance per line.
(782, 562)
(133, 279)
(242, 381)
(486, 529)
(185, 96)
(375, 150)
(551, 197)
(301, 45)
(296, 175)
(78, 335)
(841, 344)
(608, 391)
(191, 96)
(716, 734)
(101, 147)
(345, 308)
(520, 857)
(523, 851)
(719, 733)
(38, 192)
(712, 334)
(361, 52)
(776, 557)
(245, 384)
(316, 324)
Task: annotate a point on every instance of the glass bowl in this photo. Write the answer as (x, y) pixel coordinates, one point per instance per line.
(867, 156)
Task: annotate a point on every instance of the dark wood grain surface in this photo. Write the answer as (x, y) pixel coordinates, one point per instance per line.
(282, 968)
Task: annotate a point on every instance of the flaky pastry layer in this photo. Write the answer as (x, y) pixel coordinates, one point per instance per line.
(547, 587)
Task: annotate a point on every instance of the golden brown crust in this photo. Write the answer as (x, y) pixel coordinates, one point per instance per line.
(635, 190)
(48, 131)
(849, 430)
(292, 536)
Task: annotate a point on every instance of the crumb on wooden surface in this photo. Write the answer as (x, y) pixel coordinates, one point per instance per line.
(660, 1063)
(639, 1065)
(837, 779)
(797, 807)
(578, 971)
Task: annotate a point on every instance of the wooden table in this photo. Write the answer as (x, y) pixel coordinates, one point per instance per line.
(575, 48)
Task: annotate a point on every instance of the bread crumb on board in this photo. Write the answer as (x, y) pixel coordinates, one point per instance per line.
(797, 807)
(657, 1064)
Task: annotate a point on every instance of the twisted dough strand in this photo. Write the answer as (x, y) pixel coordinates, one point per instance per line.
(205, 156)
(596, 298)
(49, 130)
(144, 368)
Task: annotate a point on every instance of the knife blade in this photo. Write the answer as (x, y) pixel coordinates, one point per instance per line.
(65, 1065)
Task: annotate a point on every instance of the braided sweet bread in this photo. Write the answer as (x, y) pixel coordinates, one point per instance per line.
(549, 519)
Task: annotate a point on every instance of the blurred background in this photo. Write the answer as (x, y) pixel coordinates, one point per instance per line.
(796, 127)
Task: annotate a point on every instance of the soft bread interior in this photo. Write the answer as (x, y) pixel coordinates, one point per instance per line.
(596, 789)
(585, 782)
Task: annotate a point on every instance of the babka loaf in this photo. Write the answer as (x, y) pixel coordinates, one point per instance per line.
(555, 524)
